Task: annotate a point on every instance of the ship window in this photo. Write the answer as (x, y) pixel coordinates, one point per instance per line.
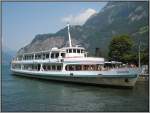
(43, 56)
(82, 51)
(32, 56)
(44, 67)
(19, 57)
(39, 56)
(70, 50)
(63, 55)
(93, 67)
(57, 55)
(17, 66)
(71, 68)
(48, 67)
(58, 67)
(67, 51)
(78, 67)
(36, 57)
(39, 66)
(74, 50)
(78, 50)
(53, 67)
(67, 68)
(47, 55)
(52, 55)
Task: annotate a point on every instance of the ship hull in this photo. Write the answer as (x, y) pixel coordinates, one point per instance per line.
(124, 80)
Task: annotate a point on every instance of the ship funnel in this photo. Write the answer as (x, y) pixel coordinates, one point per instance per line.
(70, 45)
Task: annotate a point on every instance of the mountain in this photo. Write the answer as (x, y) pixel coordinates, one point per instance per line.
(7, 55)
(115, 18)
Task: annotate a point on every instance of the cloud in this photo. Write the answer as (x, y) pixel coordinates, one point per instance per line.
(80, 18)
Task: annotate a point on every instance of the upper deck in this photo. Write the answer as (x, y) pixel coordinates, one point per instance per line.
(68, 54)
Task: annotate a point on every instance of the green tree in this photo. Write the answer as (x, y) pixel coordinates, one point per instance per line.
(145, 56)
(120, 48)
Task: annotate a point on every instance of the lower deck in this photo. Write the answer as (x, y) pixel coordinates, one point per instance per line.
(59, 67)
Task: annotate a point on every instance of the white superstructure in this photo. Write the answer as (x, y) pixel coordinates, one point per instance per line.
(72, 64)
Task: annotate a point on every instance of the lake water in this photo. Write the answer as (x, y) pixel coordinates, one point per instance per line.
(28, 94)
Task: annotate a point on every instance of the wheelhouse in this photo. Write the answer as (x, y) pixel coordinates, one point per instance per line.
(75, 52)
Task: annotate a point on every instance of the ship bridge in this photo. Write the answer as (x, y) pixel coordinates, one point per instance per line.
(75, 52)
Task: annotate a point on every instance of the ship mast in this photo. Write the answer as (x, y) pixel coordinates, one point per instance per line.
(70, 45)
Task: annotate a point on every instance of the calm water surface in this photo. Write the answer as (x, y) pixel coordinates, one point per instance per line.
(27, 94)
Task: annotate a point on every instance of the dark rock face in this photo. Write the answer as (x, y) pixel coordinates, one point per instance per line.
(114, 19)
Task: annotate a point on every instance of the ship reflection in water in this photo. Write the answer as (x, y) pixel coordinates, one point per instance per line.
(28, 94)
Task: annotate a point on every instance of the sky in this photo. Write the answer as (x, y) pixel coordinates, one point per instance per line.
(22, 21)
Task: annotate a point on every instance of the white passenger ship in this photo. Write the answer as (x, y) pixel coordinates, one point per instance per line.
(72, 64)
